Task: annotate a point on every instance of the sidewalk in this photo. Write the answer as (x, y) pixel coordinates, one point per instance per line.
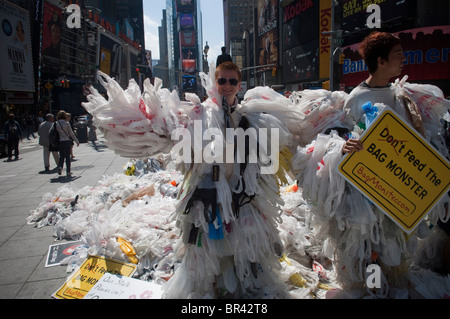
(23, 248)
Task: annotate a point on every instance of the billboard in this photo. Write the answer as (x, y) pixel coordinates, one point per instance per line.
(186, 21)
(51, 41)
(189, 83)
(185, 5)
(189, 66)
(306, 52)
(325, 41)
(15, 52)
(426, 50)
(354, 12)
(110, 56)
(267, 35)
(301, 63)
(293, 31)
(187, 38)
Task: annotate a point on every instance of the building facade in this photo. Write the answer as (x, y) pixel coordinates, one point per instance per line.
(304, 44)
(181, 46)
(68, 47)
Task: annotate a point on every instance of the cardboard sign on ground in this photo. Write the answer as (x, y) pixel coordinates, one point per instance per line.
(84, 278)
(120, 287)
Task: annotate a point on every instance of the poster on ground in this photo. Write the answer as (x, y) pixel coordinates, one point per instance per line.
(398, 170)
(84, 278)
(58, 252)
(120, 287)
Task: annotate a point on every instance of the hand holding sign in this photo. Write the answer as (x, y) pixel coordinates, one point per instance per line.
(397, 170)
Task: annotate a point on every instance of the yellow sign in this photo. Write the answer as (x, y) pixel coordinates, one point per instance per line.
(105, 61)
(48, 86)
(82, 280)
(325, 38)
(398, 170)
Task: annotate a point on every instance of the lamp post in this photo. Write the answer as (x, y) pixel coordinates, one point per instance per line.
(205, 63)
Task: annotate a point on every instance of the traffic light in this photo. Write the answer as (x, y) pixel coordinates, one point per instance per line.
(326, 85)
(274, 72)
(341, 58)
(65, 83)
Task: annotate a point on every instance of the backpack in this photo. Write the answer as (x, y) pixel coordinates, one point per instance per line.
(13, 130)
(53, 137)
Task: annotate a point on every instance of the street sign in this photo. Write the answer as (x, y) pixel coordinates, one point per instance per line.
(398, 170)
(48, 86)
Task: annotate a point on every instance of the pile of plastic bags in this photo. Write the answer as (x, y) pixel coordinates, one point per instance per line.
(129, 217)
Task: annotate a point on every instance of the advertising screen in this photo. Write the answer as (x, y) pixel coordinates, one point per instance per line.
(185, 5)
(15, 51)
(267, 35)
(51, 40)
(426, 50)
(186, 21)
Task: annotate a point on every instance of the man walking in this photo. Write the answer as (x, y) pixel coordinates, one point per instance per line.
(224, 57)
(44, 141)
(13, 134)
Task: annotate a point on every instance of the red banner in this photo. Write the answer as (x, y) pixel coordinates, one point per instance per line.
(427, 52)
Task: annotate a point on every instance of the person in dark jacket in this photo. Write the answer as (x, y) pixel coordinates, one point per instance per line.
(224, 57)
(13, 134)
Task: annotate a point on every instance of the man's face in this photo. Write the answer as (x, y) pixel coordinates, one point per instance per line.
(227, 90)
(395, 63)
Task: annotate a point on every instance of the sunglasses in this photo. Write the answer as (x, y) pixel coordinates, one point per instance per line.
(222, 81)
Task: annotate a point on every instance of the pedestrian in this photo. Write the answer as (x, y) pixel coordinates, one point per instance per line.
(13, 134)
(66, 139)
(69, 120)
(30, 126)
(44, 141)
(228, 213)
(92, 135)
(224, 57)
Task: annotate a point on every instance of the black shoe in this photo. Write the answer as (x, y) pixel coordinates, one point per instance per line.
(47, 169)
(59, 170)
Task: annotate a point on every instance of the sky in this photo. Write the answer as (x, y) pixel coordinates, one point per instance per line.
(213, 26)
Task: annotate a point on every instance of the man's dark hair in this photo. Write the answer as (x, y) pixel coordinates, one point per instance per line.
(375, 45)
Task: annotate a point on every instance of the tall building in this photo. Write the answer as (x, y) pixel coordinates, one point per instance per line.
(161, 70)
(183, 22)
(252, 38)
(238, 19)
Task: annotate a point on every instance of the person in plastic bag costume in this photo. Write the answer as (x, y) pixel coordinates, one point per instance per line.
(356, 233)
(228, 211)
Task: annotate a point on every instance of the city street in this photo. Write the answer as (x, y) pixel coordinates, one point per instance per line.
(23, 248)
